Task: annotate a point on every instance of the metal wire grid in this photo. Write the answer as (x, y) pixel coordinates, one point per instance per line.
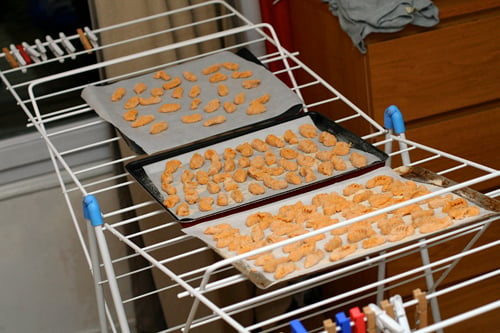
(200, 282)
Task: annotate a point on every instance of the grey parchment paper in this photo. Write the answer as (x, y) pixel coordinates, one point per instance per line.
(179, 133)
(265, 280)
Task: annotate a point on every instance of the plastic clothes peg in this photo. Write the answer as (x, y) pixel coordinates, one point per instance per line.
(23, 54)
(384, 322)
(297, 326)
(56, 50)
(41, 49)
(358, 318)
(393, 119)
(92, 210)
(70, 49)
(91, 36)
(399, 313)
(343, 322)
(34, 54)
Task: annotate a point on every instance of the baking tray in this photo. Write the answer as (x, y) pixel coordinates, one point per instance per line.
(147, 171)
(282, 101)
(488, 208)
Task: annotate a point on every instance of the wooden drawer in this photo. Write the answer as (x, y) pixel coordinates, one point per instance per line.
(448, 68)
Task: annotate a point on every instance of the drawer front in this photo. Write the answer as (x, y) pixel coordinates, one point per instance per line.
(436, 71)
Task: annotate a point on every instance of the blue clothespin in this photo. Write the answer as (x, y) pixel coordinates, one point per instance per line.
(297, 326)
(343, 322)
(91, 210)
(393, 120)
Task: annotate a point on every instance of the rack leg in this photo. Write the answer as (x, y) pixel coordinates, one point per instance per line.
(380, 276)
(424, 254)
(92, 212)
(96, 274)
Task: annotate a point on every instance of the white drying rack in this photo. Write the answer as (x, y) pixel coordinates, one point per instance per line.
(200, 282)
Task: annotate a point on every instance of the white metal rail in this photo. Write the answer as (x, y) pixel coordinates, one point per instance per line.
(200, 282)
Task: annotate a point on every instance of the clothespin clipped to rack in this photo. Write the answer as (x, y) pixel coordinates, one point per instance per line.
(91, 36)
(329, 326)
(56, 50)
(84, 40)
(92, 210)
(400, 313)
(394, 123)
(421, 311)
(384, 321)
(70, 49)
(10, 58)
(19, 58)
(386, 306)
(371, 325)
(41, 49)
(297, 327)
(23, 54)
(358, 319)
(343, 322)
(32, 52)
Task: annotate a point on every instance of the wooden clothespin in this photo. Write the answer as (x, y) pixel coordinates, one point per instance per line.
(329, 326)
(421, 311)
(388, 308)
(371, 325)
(85, 41)
(10, 58)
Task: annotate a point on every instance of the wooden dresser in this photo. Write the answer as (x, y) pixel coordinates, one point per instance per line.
(445, 79)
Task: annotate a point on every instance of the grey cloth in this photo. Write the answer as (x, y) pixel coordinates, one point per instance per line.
(359, 18)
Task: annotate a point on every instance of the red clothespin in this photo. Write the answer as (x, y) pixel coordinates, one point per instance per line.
(358, 318)
(23, 54)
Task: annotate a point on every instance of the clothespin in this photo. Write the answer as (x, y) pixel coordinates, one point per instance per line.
(400, 313)
(297, 326)
(23, 54)
(329, 326)
(56, 50)
(85, 41)
(91, 36)
(343, 322)
(388, 308)
(70, 49)
(41, 49)
(358, 319)
(384, 322)
(371, 325)
(20, 60)
(421, 311)
(10, 58)
(32, 52)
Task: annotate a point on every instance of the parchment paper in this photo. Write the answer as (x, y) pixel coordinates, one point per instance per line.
(179, 133)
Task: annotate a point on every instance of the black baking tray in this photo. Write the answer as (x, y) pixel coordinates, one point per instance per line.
(138, 168)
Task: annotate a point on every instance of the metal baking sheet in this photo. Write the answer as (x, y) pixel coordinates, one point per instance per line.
(148, 171)
(282, 101)
(488, 207)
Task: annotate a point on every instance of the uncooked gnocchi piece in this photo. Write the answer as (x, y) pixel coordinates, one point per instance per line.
(210, 69)
(132, 102)
(214, 121)
(143, 120)
(169, 107)
(175, 82)
(192, 118)
(130, 115)
(189, 76)
(158, 127)
(140, 87)
(229, 106)
(212, 105)
(118, 94)
(308, 131)
(250, 84)
(161, 75)
(217, 77)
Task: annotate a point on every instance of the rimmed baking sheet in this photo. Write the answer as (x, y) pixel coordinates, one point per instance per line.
(488, 207)
(282, 101)
(148, 171)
